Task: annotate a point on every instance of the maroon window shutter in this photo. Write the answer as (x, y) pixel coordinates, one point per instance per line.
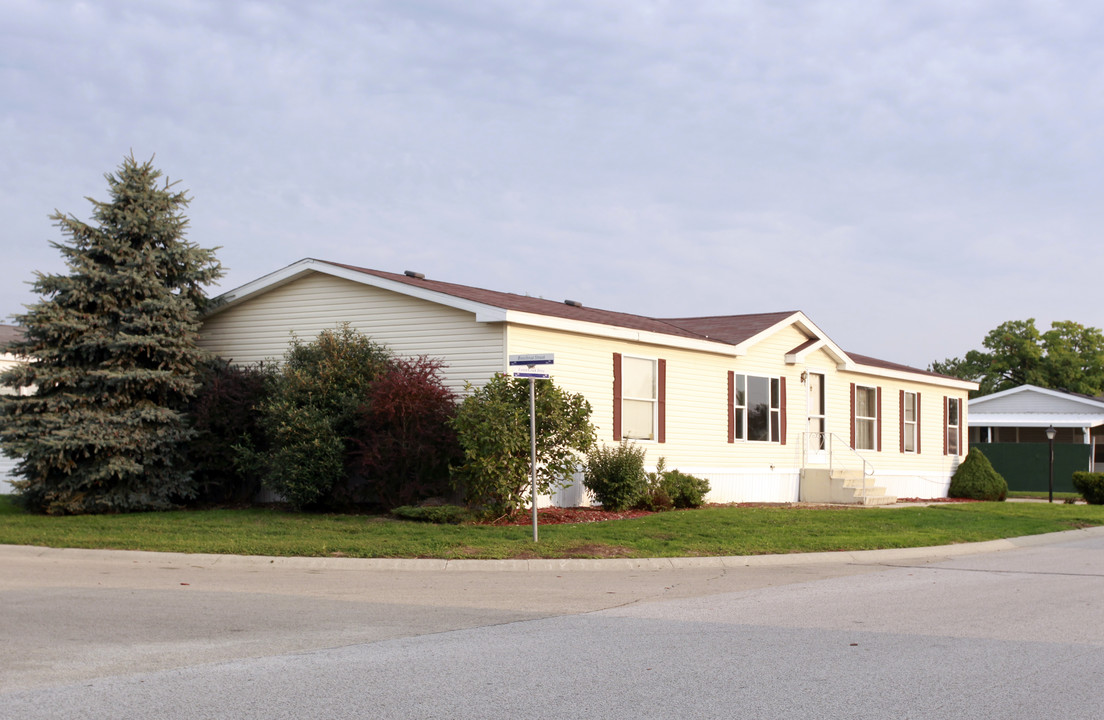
(878, 422)
(661, 409)
(852, 416)
(617, 397)
(917, 423)
(945, 411)
(782, 410)
(731, 406)
(901, 404)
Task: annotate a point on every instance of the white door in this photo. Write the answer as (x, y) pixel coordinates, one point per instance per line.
(816, 444)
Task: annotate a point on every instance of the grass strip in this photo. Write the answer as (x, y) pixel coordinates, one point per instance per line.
(709, 531)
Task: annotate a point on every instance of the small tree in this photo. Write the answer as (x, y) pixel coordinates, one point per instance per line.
(977, 479)
(114, 356)
(493, 429)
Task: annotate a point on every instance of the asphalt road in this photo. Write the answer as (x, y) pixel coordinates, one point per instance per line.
(996, 630)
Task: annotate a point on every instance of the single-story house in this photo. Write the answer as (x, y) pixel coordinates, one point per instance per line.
(1011, 428)
(765, 406)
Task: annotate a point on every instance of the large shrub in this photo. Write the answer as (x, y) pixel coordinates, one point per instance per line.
(1090, 485)
(225, 413)
(311, 416)
(976, 479)
(404, 441)
(615, 475)
(492, 426)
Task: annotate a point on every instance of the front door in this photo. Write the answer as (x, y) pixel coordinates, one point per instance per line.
(816, 447)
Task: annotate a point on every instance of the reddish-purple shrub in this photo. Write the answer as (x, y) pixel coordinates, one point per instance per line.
(405, 441)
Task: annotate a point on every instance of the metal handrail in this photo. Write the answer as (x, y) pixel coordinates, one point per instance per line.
(830, 446)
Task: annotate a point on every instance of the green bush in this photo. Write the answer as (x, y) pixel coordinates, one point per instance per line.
(975, 479)
(492, 426)
(667, 489)
(307, 459)
(310, 417)
(615, 475)
(438, 514)
(1090, 485)
(685, 491)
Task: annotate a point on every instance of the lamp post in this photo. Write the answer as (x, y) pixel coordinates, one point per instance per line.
(1051, 432)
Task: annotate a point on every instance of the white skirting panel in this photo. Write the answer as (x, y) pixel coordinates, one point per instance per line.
(725, 486)
(915, 486)
(769, 486)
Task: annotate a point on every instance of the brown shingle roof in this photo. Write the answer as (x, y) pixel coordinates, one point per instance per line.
(538, 306)
(886, 365)
(730, 328)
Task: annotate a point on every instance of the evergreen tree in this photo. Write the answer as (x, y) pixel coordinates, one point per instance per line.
(113, 356)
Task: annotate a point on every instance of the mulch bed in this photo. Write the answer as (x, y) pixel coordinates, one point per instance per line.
(561, 516)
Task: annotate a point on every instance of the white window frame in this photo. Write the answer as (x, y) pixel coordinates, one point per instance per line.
(774, 412)
(954, 440)
(910, 426)
(871, 419)
(654, 399)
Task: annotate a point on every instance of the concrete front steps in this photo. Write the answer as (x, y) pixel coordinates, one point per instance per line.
(841, 487)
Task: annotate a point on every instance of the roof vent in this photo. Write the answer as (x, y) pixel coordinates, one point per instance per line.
(573, 303)
(411, 273)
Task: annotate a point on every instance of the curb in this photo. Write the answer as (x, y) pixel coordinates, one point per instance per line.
(854, 557)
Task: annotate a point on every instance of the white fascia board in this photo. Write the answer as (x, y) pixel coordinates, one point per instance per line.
(808, 327)
(482, 312)
(1036, 390)
(979, 419)
(614, 332)
(918, 377)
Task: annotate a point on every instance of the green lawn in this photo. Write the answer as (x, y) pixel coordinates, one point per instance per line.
(705, 532)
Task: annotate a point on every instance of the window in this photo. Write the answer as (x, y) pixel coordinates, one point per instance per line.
(757, 408)
(638, 399)
(953, 412)
(639, 387)
(864, 417)
(909, 423)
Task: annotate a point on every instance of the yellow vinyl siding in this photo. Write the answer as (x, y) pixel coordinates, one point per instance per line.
(260, 328)
(697, 407)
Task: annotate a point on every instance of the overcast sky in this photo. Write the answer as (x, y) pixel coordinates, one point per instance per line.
(909, 175)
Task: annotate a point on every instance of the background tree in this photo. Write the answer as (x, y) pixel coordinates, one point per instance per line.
(1069, 356)
(493, 428)
(114, 356)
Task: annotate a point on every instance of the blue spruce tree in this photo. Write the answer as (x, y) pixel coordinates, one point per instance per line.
(113, 355)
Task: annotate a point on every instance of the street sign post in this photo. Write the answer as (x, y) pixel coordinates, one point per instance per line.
(531, 364)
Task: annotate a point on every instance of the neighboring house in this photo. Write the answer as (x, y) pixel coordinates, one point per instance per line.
(1010, 426)
(762, 405)
(8, 335)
